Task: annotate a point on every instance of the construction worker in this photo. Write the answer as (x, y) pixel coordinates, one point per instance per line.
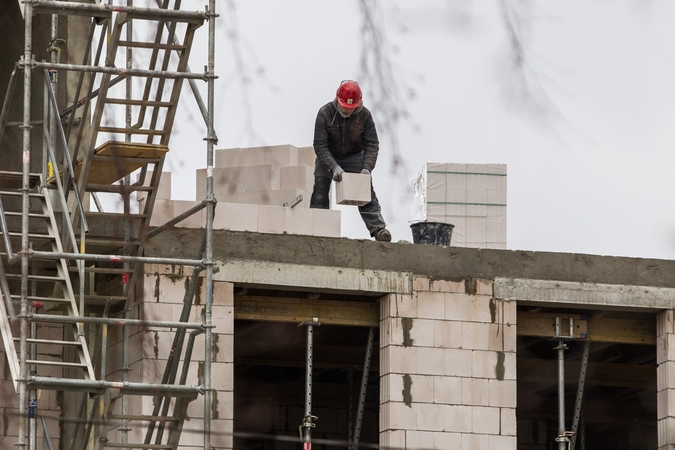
(345, 140)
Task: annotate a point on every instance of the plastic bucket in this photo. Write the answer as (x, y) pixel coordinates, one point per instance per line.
(432, 233)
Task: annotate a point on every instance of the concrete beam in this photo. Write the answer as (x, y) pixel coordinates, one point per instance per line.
(585, 295)
(305, 277)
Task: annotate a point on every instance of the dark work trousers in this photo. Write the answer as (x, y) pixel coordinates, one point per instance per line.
(371, 213)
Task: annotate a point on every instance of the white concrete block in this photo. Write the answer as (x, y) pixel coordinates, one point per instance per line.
(475, 392)
(306, 156)
(508, 421)
(297, 177)
(196, 220)
(430, 416)
(422, 332)
(327, 222)
(458, 418)
(281, 155)
(252, 178)
(431, 305)
(399, 416)
(430, 361)
(162, 212)
(482, 309)
(401, 359)
(252, 156)
(447, 390)
(458, 362)
(299, 221)
(419, 439)
(485, 420)
(266, 198)
(502, 337)
(475, 336)
(392, 438)
(447, 334)
(447, 286)
(502, 393)
(484, 364)
(236, 217)
(271, 219)
(447, 441)
(354, 189)
(421, 389)
(458, 307)
(502, 442)
(227, 157)
(421, 283)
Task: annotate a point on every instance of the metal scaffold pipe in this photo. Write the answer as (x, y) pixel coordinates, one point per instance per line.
(26, 153)
(210, 204)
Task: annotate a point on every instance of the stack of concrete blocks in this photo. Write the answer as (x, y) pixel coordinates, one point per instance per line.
(448, 368)
(163, 292)
(472, 197)
(665, 379)
(252, 185)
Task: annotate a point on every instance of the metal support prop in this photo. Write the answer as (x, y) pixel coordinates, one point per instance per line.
(580, 394)
(307, 422)
(563, 436)
(364, 386)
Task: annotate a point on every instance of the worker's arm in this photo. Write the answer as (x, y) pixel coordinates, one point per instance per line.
(371, 145)
(321, 139)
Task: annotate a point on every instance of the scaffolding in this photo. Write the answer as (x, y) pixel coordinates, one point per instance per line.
(63, 333)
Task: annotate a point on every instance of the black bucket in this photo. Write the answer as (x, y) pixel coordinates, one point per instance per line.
(432, 233)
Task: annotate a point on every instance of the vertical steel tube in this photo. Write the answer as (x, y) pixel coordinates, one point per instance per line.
(580, 393)
(208, 260)
(32, 394)
(364, 386)
(561, 394)
(307, 421)
(26, 62)
(350, 406)
(561, 439)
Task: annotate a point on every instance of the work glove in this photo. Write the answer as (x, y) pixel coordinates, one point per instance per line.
(337, 173)
(365, 171)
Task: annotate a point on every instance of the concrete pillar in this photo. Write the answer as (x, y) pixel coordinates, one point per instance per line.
(665, 380)
(448, 368)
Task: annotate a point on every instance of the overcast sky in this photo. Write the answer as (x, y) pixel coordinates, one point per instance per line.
(591, 172)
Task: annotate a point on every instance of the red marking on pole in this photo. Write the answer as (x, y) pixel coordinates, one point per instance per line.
(307, 446)
(125, 278)
(37, 305)
(115, 258)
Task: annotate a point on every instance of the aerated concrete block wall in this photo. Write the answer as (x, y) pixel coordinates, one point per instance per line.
(448, 368)
(163, 292)
(665, 381)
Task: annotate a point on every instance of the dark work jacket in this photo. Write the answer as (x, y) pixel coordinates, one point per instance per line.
(337, 138)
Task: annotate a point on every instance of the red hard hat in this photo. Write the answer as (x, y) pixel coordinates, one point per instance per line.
(349, 94)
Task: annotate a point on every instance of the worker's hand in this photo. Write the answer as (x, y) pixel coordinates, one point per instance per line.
(365, 171)
(337, 173)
